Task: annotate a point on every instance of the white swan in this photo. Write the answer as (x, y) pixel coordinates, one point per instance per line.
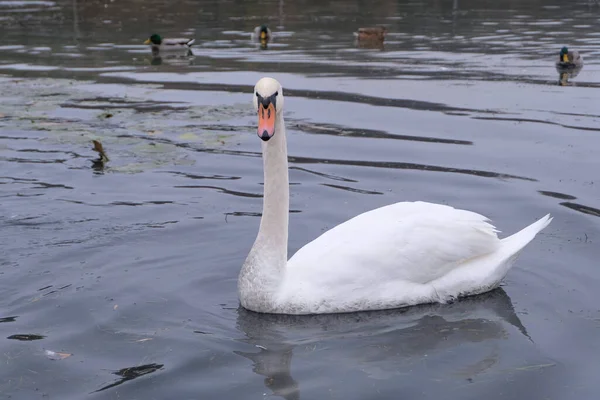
(398, 255)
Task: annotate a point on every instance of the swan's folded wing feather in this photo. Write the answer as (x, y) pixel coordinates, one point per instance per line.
(414, 242)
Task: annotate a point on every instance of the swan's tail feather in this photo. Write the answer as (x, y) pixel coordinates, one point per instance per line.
(514, 244)
(520, 239)
(485, 273)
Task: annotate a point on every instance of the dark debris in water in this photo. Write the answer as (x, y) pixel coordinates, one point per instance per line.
(243, 214)
(131, 373)
(251, 214)
(220, 189)
(538, 121)
(335, 130)
(44, 185)
(194, 176)
(8, 319)
(107, 103)
(134, 204)
(570, 204)
(26, 337)
(350, 189)
(407, 166)
(161, 224)
(557, 195)
(581, 208)
(324, 175)
(58, 289)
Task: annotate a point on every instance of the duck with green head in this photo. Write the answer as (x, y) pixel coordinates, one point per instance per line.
(569, 59)
(159, 43)
(262, 33)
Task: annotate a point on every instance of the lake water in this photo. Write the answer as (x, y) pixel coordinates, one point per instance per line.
(118, 281)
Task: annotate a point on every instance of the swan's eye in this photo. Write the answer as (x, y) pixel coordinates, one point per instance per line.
(276, 94)
(265, 101)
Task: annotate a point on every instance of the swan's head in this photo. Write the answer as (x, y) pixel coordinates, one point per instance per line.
(268, 102)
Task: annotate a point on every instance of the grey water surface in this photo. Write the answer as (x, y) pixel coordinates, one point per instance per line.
(118, 280)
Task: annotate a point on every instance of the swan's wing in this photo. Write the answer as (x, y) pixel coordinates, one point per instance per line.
(413, 242)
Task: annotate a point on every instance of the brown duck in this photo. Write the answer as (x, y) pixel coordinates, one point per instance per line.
(375, 34)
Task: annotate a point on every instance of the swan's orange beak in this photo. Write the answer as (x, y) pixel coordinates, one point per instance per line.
(266, 121)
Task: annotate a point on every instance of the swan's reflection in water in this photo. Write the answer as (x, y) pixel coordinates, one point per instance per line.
(275, 365)
(378, 343)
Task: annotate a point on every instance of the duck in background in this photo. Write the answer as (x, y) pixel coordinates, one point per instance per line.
(371, 37)
(569, 65)
(262, 32)
(263, 35)
(374, 33)
(158, 44)
(569, 59)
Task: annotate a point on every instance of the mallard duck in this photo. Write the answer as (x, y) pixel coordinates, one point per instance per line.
(569, 59)
(159, 43)
(372, 34)
(262, 33)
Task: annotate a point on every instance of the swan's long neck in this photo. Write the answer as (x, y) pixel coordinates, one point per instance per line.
(276, 203)
(264, 268)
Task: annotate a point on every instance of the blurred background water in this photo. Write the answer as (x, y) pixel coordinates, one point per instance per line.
(118, 281)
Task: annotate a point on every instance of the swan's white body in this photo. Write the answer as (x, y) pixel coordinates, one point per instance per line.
(403, 254)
